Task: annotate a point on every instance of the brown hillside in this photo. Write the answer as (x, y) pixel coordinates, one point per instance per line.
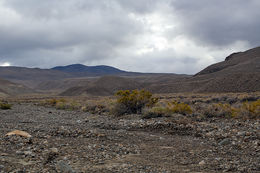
(10, 88)
(64, 84)
(106, 85)
(240, 72)
(30, 77)
(248, 61)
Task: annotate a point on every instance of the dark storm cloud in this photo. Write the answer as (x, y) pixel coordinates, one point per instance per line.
(220, 22)
(135, 35)
(94, 27)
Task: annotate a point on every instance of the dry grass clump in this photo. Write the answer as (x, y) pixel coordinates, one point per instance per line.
(5, 105)
(242, 110)
(179, 107)
(91, 105)
(62, 104)
(167, 109)
(144, 103)
(155, 112)
(95, 108)
(218, 110)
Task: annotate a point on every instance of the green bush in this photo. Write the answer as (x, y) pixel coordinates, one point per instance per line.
(5, 106)
(134, 101)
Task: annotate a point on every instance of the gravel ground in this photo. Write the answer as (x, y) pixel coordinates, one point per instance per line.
(71, 141)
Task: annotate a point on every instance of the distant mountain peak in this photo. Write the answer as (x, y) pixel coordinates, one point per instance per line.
(83, 70)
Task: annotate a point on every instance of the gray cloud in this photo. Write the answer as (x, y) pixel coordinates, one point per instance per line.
(220, 22)
(137, 35)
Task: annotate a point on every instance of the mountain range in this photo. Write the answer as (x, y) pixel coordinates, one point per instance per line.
(80, 70)
(239, 72)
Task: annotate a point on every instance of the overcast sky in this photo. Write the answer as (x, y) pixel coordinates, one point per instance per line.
(176, 36)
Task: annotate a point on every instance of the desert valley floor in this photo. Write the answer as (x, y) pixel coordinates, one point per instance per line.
(77, 141)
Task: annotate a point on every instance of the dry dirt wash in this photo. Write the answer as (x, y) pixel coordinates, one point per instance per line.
(80, 142)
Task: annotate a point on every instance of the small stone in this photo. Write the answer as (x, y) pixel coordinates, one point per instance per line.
(19, 133)
(225, 142)
(19, 152)
(64, 167)
(241, 133)
(202, 162)
(51, 155)
(54, 150)
(27, 153)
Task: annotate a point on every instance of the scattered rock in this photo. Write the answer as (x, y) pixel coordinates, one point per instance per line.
(202, 162)
(126, 144)
(51, 155)
(54, 150)
(19, 133)
(226, 141)
(64, 167)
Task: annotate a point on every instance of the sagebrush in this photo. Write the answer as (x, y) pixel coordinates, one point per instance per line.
(132, 102)
(5, 106)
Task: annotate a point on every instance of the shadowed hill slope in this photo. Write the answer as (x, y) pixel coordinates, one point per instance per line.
(240, 72)
(10, 88)
(103, 86)
(31, 77)
(241, 62)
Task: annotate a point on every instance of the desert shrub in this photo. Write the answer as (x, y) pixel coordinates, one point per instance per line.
(167, 109)
(53, 102)
(133, 101)
(181, 108)
(62, 105)
(252, 109)
(5, 106)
